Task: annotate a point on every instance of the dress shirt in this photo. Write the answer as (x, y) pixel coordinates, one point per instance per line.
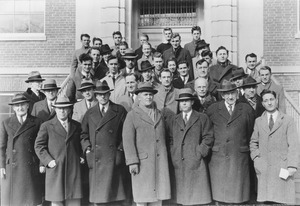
(65, 124)
(50, 105)
(188, 115)
(185, 79)
(274, 116)
(105, 107)
(23, 118)
(227, 106)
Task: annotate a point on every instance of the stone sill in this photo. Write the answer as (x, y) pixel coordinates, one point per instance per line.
(23, 37)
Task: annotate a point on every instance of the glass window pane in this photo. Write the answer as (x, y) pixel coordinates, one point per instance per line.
(37, 6)
(36, 23)
(6, 23)
(21, 23)
(22, 7)
(6, 7)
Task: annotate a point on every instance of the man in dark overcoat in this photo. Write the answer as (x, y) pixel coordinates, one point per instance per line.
(102, 142)
(229, 165)
(19, 165)
(58, 148)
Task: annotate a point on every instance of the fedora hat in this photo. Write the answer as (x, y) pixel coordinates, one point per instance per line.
(34, 76)
(62, 101)
(50, 84)
(185, 94)
(105, 49)
(102, 88)
(248, 82)
(129, 54)
(145, 87)
(227, 86)
(86, 83)
(145, 65)
(18, 98)
(238, 73)
(201, 44)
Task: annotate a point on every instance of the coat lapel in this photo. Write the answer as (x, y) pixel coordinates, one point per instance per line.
(143, 115)
(96, 115)
(157, 117)
(58, 128)
(25, 126)
(191, 122)
(72, 129)
(278, 122)
(236, 113)
(110, 114)
(264, 122)
(224, 71)
(179, 121)
(223, 111)
(14, 124)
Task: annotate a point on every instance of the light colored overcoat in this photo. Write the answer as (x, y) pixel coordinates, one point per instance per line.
(80, 109)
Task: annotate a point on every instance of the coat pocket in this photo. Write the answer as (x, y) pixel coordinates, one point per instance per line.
(143, 155)
(244, 149)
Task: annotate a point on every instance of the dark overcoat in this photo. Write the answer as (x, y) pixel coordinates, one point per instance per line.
(229, 164)
(33, 98)
(259, 109)
(144, 144)
(104, 135)
(54, 143)
(21, 185)
(272, 150)
(40, 109)
(189, 145)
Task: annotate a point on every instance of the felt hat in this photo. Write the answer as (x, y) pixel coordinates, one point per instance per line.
(145, 87)
(34, 76)
(18, 98)
(49, 84)
(238, 73)
(102, 88)
(62, 101)
(105, 49)
(146, 65)
(227, 86)
(86, 83)
(129, 54)
(185, 94)
(248, 82)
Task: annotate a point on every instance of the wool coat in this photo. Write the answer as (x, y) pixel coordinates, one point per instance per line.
(80, 109)
(189, 145)
(144, 144)
(119, 87)
(103, 134)
(178, 82)
(272, 150)
(33, 98)
(22, 183)
(55, 143)
(126, 101)
(202, 107)
(40, 109)
(259, 109)
(229, 164)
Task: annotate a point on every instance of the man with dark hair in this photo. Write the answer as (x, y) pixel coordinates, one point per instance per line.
(98, 71)
(117, 37)
(200, 47)
(265, 74)
(158, 63)
(130, 60)
(161, 48)
(85, 41)
(208, 56)
(191, 47)
(97, 42)
(146, 54)
(251, 62)
(183, 78)
(105, 52)
(144, 38)
(274, 149)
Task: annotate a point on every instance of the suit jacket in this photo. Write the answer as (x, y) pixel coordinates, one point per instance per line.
(22, 183)
(31, 96)
(55, 143)
(80, 109)
(272, 150)
(178, 82)
(126, 101)
(191, 47)
(259, 107)
(229, 164)
(40, 109)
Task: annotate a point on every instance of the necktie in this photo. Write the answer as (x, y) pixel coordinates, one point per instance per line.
(131, 96)
(21, 120)
(230, 109)
(271, 122)
(114, 79)
(65, 126)
(89, 105)
(103, 111)
(185, 119)
(50, 107)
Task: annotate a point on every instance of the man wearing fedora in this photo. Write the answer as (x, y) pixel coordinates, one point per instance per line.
(87, 89)
(102, 143)
(145, 150)
(191, 139)
(44, 108)
(19, 165)
(33, 93)
(229, 164)
(58, 147)
(105, 52)
(200, 47)
(146, 55)
(147, 73)
(130, 61)
(238, 76)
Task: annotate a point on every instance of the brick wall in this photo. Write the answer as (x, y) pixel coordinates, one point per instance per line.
(280, 26)
(56, 51)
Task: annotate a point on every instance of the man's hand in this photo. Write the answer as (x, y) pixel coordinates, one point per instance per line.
(2, 173)
(292, 171)
(134, 169)
(42, 169)
(52, 164)
(82, 161)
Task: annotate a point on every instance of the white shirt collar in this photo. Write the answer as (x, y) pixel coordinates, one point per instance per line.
(187, 113)
(105, 107)
(23, 117)
(274, 116)
(227, 106)
(186, 78)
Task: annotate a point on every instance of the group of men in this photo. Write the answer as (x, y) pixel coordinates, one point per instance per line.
(173, 127)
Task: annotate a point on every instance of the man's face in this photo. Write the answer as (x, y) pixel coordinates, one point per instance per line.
(265, 75)
(103, 98)
(122, 49)
(230, 97)
(105, 56)
(270, 102)
(130, 63)
(146, 49)
(172, 66)
(143, 40)
(196, 35)
(250, 91)
(175, 42)
(145, 98)
(131, 83)
(202, 69)
(21, 109)
(97, 43)
(95, 54)
(51, 94)
(113, 66)
(165, 79)
(86, 66)
(158, 63)
(208, 59)
(238, 81)
(36, 85)
(117, 39)
(183, 70)
(88, 94)
(201, 87)
(186, 105)
(222, 55)
(168, 35)
(85, 41)
(147, 75)
(62, 113)
(251, 62)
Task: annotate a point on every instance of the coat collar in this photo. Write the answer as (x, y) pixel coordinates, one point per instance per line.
(224, 112)
(110, 114)
(225, 71)
(60, 131)
(278, 122)
(193, 118)
(18, 128)
(145, 116)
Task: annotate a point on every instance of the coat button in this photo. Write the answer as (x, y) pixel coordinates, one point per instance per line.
(227, 140)
(157, 155)
(96, 160)
(157, 140)
(182, 144)
(14, 151)
(182, 158)
(181, 129)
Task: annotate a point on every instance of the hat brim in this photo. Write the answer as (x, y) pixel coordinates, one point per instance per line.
(19, 102)
(86, 87)
(106, 52)
(69, 104)
(34, 80)
(153, 91)
(250, 84)
(102, 92)
(185, 98)
(50, 88)
(238, 76)
(129, 57)
(226, 90)
(143, 70)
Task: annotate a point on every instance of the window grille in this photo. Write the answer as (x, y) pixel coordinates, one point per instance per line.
(167, 12)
